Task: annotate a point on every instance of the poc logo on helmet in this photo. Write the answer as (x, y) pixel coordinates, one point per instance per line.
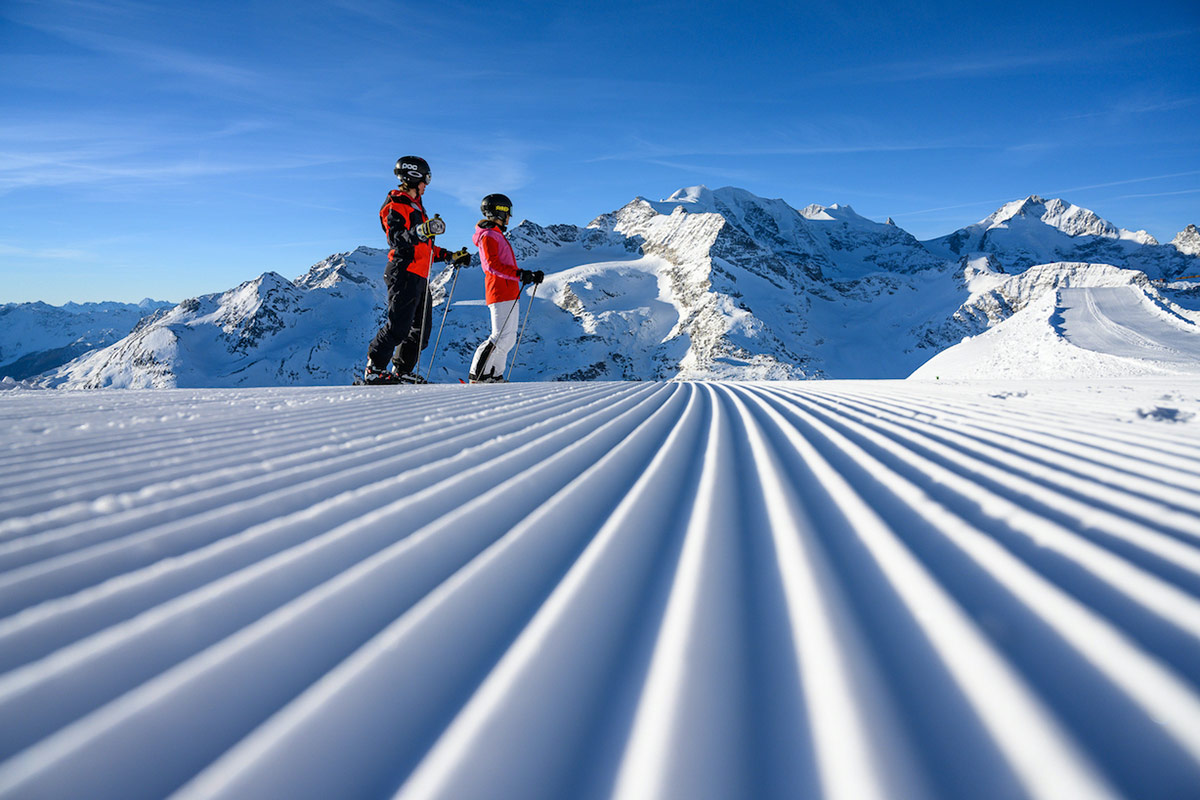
(413, 167)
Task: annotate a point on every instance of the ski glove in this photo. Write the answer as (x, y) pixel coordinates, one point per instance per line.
(431, 228)
(459, 258)
(531, 277)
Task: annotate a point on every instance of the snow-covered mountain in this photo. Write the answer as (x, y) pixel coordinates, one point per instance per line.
(264, 332)
(35, 337)
(1034, 231)
(744, 287)
(1070, 321)
(995, 295)
(704, 284)
(1187, 241)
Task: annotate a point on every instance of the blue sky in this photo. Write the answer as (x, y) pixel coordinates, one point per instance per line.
(170, 150)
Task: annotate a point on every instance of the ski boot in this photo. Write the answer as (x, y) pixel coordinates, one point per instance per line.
(373, 376)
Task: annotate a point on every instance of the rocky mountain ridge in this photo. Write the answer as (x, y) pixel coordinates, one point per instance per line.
(1187, 241)
(1037, 231)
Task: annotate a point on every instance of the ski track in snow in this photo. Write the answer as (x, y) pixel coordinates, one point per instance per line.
(841, 589)
(1122, 321)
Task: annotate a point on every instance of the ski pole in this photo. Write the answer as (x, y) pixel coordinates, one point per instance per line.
(499, 332)
(445, 311)
(508, 316)
(424, 316)
(521, 335)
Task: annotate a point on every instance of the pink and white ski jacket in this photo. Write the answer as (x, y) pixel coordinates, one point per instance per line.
(501, 277)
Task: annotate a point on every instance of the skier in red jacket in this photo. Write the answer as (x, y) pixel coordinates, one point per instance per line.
(410, 235)
(502, 287)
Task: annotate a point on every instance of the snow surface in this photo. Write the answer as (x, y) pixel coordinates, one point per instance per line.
(897, 589)
(1083, 332)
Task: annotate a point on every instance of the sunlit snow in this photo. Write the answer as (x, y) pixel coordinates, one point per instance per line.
(898, 589)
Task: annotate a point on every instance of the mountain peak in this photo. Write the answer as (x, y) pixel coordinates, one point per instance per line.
(835, 212)
(1038, 230)
(692, 194)
(703, 199)
(1187, 241)
(1032, 206)
(1071, 219)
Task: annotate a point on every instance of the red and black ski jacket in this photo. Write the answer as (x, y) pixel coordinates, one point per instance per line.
(400, 215)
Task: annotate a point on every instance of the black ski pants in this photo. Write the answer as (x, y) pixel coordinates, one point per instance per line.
(406, 332)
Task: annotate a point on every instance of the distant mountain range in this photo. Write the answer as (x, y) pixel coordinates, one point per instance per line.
(704, 284)
(35, 337)
(1036, 231)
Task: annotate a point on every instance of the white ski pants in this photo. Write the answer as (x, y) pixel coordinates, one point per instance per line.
(490, 357)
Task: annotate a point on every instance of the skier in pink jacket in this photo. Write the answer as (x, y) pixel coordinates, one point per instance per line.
(503, 280)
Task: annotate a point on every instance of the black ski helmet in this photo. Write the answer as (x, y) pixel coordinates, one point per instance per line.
(496, 207)
(412, 170)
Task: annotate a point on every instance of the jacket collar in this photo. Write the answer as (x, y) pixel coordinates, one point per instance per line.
(399, 196)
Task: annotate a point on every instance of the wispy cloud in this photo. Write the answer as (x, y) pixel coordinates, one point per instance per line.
(943, 67)
(99, 150)
(972, 67)
(294, 202)
(162, 58)
(994, 202)
(473, 173)
(707, 169)
(1157, 194)
(87, 166)
(1168, 176)
(641, 150)
(85, 24)
(106, 8)
(45, 253)
(1147, 102)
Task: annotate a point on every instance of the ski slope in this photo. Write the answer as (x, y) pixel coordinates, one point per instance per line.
(1123, 321)
(1082, 332)
(698, 590)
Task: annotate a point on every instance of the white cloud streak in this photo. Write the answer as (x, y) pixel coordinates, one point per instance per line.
(994, 202)
(653, 153)
(45, 253)
(84, 166)
(163, 59)
(1157, 194)
(949, 67)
